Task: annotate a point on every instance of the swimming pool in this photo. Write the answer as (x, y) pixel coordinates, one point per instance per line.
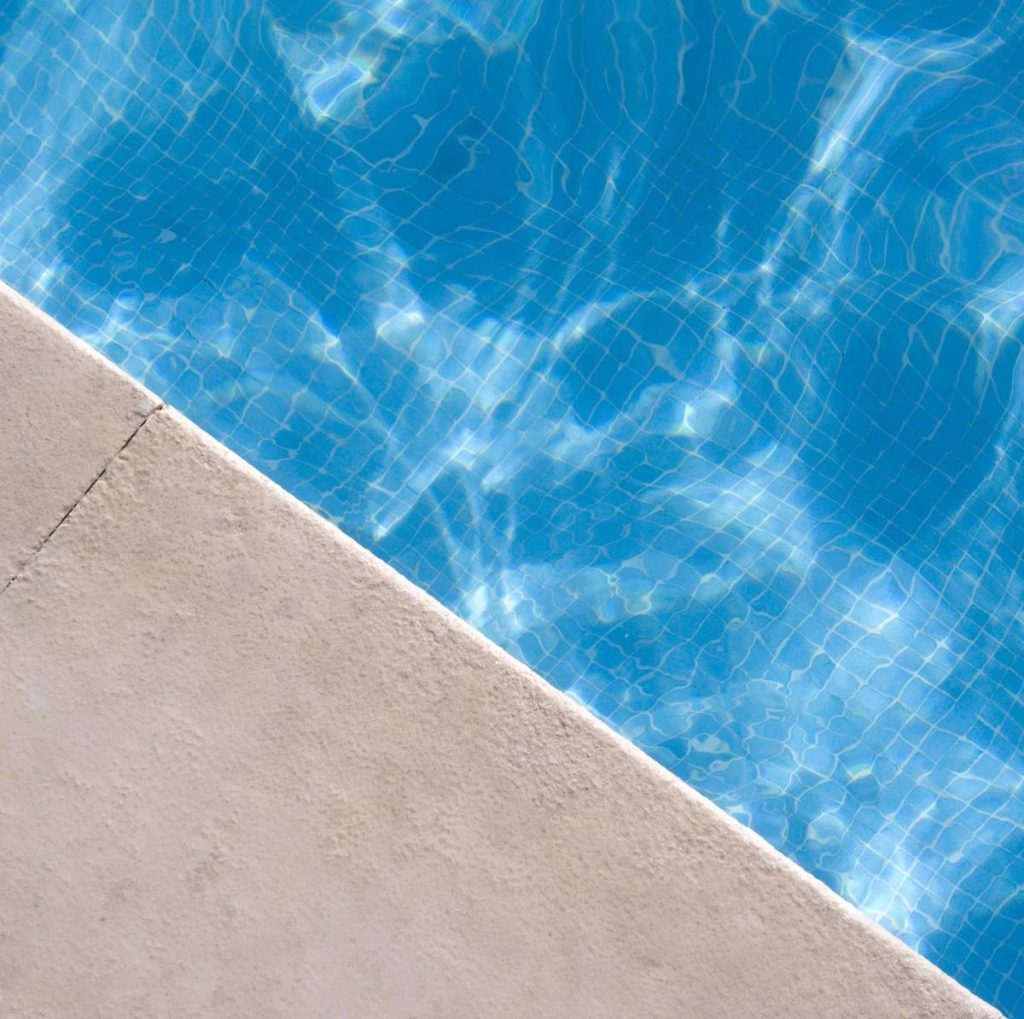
(675, 346)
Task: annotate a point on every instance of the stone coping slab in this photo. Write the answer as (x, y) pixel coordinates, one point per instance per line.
(251, 771)
(64, 413)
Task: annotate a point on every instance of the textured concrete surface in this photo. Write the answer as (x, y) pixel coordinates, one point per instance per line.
(249, 771)
(64, 414)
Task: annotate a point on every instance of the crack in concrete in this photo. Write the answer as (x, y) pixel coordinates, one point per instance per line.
(34, 554)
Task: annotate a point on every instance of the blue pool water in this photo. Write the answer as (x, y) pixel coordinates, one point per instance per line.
(673, 344)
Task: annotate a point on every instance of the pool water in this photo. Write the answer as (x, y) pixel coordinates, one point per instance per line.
(674, 345)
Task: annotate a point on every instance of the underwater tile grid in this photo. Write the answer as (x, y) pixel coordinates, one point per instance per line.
(675, 345)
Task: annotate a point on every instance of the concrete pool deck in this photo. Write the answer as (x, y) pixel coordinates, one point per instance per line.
(248, 770)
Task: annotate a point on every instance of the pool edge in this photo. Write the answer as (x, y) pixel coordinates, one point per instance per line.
(750, 927)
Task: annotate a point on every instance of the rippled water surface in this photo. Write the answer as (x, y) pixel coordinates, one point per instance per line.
(673, 344)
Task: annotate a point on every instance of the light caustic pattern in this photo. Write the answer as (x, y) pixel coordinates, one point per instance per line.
(674, 345)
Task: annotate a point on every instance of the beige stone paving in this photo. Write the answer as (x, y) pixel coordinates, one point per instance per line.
(249, 771)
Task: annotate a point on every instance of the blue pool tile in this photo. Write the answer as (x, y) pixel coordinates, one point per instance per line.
(688, 374)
